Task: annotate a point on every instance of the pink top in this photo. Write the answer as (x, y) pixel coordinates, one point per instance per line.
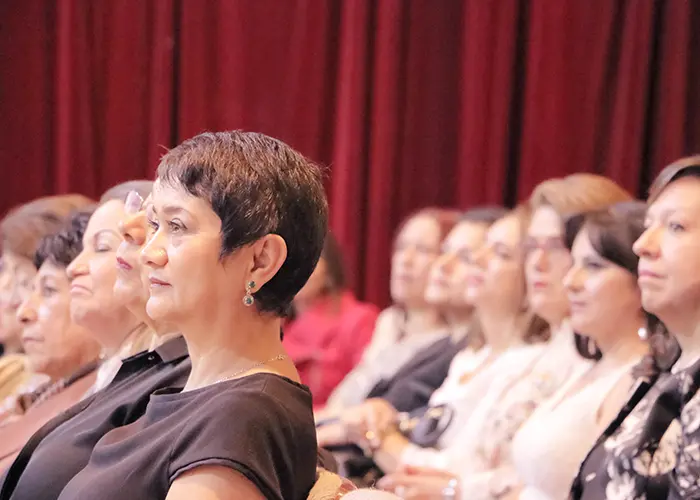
(328, 340)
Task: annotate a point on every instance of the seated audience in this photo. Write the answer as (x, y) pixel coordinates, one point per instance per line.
(20, 232)
(606, 310)
(637, 454)
(668, 252)
(411, 324)
(55, 346)
(481, 455)
(498, 293)
(239, 222)
(129, 196)
(445, 289)
(330, 328)
(60, 449)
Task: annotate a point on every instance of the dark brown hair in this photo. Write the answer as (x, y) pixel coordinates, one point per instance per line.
(685, 167)
(65, 245)
(257, 186)
(24, 226)
(612, 233)
(120, 191)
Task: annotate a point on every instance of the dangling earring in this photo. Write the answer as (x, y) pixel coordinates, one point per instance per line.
(643, 334)
(248, 299)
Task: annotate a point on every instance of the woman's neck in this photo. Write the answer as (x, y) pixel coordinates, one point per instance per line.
(624, 344)
(503, 329)
(218, 351)
(422, 319)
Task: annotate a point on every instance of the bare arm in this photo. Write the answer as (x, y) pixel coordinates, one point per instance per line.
(213, 482)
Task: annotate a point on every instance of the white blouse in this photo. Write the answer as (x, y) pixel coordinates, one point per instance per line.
(487, 379)
(549, 448)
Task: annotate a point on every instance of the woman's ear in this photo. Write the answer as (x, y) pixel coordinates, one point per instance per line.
(269, 254)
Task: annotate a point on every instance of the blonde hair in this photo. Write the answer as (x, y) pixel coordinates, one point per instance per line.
(577, 193)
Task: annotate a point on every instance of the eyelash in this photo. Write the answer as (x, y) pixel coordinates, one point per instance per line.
(175, 227)
(675, 227)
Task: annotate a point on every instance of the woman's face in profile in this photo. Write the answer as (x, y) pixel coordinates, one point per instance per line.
(448, 274)
(189, 281)
(498, 276)
(547, 261)
(416, 248)
(54, 344)
(16, 275)
(131, 285)
(600, 293)
(669, 253)
(94, 272)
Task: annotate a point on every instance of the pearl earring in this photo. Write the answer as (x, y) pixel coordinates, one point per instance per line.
(643, 334)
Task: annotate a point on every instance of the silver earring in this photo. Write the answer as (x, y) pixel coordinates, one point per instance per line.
(248, 299)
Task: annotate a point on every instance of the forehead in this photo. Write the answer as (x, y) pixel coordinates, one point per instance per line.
(107, 216)
(545, 223)
(466, 234)
(48, 268)
(505, 230)
(682, 194)
(582, 244)
(174, 198)
(422, 227)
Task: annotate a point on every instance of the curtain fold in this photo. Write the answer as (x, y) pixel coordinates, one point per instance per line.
(408, 103)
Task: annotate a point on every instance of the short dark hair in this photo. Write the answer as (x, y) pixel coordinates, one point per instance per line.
(121, 191)
(257, 185)
(62, 247)
(612, 233)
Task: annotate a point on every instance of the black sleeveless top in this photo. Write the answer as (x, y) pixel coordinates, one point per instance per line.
(261, 426)
(60, 449)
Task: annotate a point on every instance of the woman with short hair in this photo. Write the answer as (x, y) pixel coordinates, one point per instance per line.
(239, 221)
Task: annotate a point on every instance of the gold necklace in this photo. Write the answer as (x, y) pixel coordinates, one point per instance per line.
(279, 357)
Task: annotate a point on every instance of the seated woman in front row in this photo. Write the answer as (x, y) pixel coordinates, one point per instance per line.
(60, 449)
(239, 221)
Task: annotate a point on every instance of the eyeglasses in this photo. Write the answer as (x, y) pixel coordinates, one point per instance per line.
(549, 245)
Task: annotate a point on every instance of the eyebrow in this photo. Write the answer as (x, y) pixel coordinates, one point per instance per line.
(169, 209)
(106, 231)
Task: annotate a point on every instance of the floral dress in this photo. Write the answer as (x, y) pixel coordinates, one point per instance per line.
(685, 478)
(636, 454)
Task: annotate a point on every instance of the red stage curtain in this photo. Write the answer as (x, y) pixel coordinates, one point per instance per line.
(407, 102)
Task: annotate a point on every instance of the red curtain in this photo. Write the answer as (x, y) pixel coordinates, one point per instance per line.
(407, 102)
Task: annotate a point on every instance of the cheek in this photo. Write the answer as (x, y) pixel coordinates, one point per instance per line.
(103, 271)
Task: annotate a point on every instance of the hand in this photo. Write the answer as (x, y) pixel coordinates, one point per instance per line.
(420, 483)
(368, 422)
(331, 435)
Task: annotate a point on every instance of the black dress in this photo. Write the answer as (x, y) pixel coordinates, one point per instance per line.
(60, 449)
(261, 426)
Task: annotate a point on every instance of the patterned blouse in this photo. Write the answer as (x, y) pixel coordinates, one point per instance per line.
(634, 457)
